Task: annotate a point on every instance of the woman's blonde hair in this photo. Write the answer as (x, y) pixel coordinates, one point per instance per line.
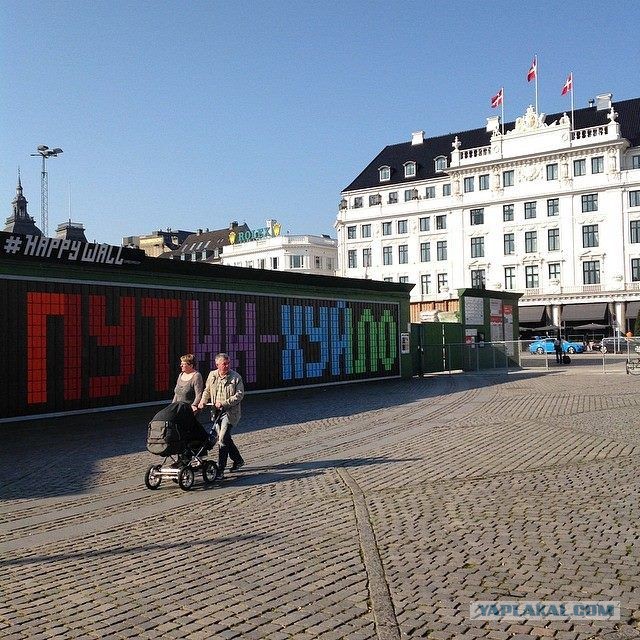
(189, 358)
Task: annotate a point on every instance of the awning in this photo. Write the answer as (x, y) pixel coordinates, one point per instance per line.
(633, 308)
(530, 315)
(591, 311)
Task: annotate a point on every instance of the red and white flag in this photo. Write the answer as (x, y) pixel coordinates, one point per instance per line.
(496, 101)
(568, 85)
(533, 69)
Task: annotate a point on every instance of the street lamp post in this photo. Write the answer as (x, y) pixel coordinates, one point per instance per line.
(45, 152)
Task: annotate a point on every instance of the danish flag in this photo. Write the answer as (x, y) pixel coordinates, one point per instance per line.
(568, 85)
(496, 101)
(533, 69)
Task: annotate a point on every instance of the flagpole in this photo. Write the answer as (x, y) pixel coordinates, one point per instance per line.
(536, 79)
(502, 110)
(572, 125)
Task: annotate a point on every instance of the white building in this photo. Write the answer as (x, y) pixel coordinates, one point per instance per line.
(545, 208)
(266, 248)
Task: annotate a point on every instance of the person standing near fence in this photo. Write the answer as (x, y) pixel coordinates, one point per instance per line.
(225, 389)
(557, 346)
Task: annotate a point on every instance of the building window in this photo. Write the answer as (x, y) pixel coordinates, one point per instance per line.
(509, 244)
(262, 263)
(430, 192)
(590, 235)
(387, 279)
(351, 233)
(441, 250)
(403, 279)
(553, 207)
(443, 282)
(446, 189)
(297, 262)
(318, 262)
(366, 257)
(529, 210)
(552, 171)
(507, 213)
(531, 277)
(507, 178)
(477, 216)
(425, 284)
(387, 256)
(357, 202)
(329, 264)
(393, 197)
(483, 182)
(468, 184)
(591, 272)
(386, 228)
(477, 278)
(579, 167)
(477, 247)
(409, 169)
(590, 202)
(634, 231)
(634, 198)
(425, 251)
(441, 163)
(424, 224)
(402, 226)
(403, 254)
(509, 277)
(375, 199)
(365, 230)
(385, 174)
(441, 222)
(554, 271)
(530, 241)
(274, 262)
(635, 269)
(635, 162)
(597, 164)
(553, 239)
(352, 258)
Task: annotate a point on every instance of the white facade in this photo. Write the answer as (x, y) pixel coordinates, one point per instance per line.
(543, 209)
(299, 253)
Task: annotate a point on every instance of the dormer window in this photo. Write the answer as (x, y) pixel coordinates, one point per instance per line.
(409, 169)
(385, 173)
(441, 163)
(343, 204)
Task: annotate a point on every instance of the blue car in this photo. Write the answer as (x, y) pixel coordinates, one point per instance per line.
(540, 346)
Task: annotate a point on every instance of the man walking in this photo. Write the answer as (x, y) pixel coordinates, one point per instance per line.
(225, 389)
(557, 346)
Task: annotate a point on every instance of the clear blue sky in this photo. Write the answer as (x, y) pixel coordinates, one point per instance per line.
(190, 114)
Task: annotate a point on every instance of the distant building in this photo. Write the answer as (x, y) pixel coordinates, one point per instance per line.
(71, 231)
(545, 206)
(266, 248)
(205, 245)
(20, 221)
(158, 242)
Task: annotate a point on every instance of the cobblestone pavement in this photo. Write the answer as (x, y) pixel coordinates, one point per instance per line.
(370, 511)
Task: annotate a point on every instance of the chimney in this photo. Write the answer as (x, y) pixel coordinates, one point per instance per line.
(199, 232)
(493, 124)
(233, 224)
(603, 101)
(417, 137)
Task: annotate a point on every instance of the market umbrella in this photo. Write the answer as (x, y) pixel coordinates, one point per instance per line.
(591, 326)
(548, 327)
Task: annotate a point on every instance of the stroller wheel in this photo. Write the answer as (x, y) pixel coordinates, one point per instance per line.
(209, 471)
(153, 478)
(186, 478)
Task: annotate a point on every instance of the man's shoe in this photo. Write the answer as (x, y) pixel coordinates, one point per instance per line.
(219, 476)
(237, 465)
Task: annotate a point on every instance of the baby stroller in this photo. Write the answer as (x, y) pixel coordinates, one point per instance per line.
(175, 434)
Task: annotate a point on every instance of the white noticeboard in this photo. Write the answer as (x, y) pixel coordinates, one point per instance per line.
(473, 310)
(405, 343)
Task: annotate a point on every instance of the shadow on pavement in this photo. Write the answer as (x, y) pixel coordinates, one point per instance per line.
(60, 456)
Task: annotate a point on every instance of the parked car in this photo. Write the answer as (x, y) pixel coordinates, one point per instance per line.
(540, 346)
(619, 345)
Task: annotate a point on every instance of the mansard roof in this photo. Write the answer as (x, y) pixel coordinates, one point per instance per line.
(425, 154)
